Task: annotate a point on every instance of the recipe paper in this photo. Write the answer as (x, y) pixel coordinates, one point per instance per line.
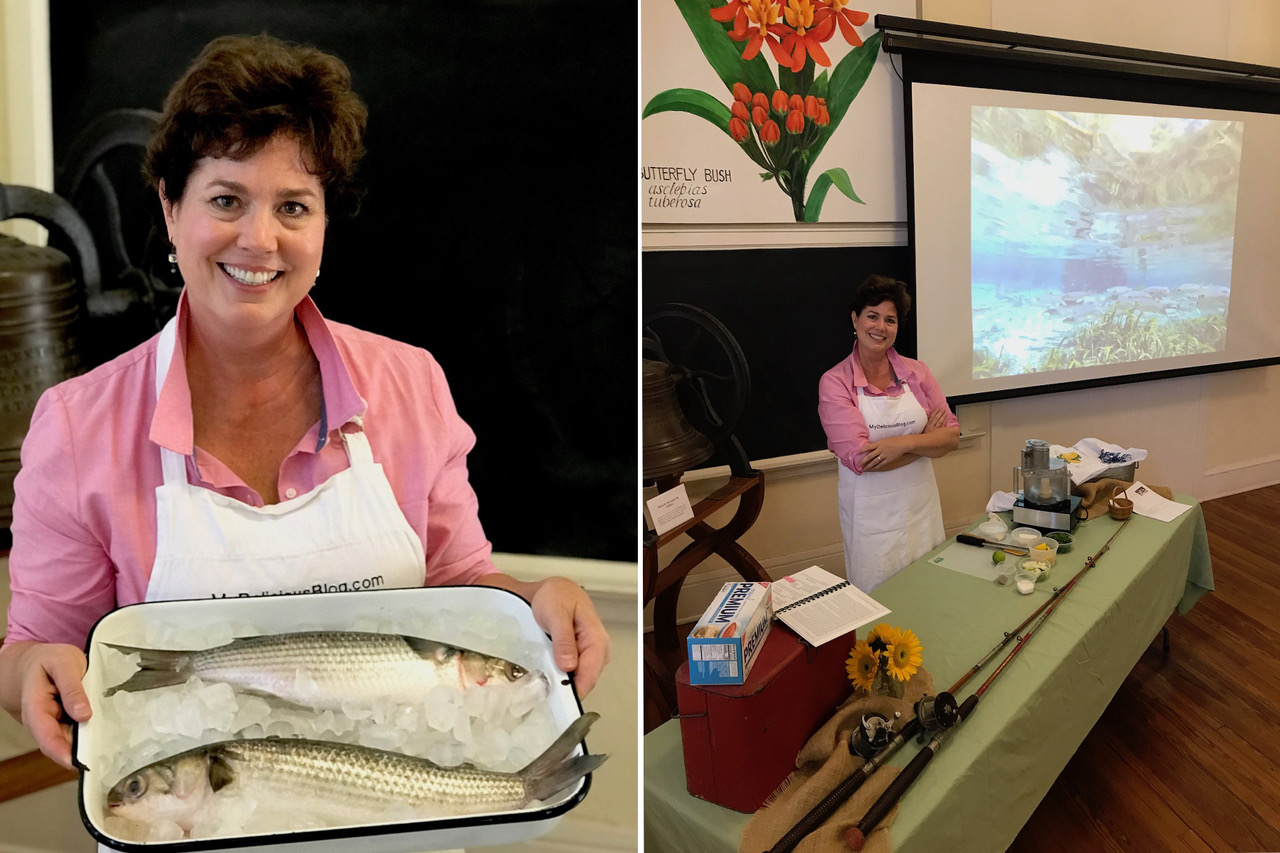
(1147, 502)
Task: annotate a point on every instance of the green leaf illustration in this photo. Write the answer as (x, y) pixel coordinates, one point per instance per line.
(847, 79)
(838, 178)
(701, 104)
(693, 101)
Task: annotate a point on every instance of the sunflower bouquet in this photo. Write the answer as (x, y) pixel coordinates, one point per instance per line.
(885, 660)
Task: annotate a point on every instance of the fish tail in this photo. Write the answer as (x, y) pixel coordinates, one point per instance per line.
(553, 770)
(157, 668)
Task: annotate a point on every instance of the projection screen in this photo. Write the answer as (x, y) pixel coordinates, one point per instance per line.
(1062, 241)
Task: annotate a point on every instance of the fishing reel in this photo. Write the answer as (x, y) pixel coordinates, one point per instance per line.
(936, 713)
(867, 740)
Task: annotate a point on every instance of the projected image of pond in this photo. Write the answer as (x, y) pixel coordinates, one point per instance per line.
(1099, 238)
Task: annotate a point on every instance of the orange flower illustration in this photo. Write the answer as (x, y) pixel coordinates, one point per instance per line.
(808, 106)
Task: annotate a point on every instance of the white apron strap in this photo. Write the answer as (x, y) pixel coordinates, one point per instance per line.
(357, 444)
(173, 464)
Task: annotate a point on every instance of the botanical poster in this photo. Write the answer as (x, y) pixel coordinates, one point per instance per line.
(770, 111)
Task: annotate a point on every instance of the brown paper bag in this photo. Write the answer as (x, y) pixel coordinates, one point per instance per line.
(823, 763)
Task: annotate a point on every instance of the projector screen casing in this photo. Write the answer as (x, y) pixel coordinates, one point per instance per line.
(940, 87)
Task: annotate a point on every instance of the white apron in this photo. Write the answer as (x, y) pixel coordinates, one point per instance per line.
(888, 518)
(346, 534)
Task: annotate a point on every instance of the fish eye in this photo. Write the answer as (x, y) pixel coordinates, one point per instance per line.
(514, 671)
(135, 787)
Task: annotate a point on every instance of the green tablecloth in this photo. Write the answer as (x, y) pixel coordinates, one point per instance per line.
(993, 771)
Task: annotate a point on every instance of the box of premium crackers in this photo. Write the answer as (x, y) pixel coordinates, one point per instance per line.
(727, 639)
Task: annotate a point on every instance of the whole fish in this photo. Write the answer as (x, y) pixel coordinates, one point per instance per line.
(341, 783)
(324, 669)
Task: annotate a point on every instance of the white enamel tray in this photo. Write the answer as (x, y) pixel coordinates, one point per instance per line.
(331, 611)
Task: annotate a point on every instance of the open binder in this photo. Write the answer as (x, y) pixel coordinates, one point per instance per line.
(820, 606)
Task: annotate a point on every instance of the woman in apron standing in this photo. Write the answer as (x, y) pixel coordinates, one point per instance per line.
(885, 418)
(252, 447)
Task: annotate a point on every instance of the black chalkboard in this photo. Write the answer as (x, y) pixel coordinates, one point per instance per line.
(788, 309)
(499, 228)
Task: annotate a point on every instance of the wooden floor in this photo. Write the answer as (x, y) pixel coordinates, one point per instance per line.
(1187, 755)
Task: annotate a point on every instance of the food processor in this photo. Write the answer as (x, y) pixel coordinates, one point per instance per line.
(1043, 486)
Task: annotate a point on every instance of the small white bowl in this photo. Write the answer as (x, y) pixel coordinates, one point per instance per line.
(996, 531)
(1025, 535)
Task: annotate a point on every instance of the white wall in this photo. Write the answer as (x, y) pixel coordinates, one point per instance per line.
(26, 114)
(1207, 436)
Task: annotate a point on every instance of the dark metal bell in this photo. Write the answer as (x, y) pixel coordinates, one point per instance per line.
(671, 444)
(39, 313)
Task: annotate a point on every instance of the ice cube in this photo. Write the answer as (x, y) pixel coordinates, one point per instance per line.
(447, 753)
(462, 729)
(189, 721)
(228, 814)
(383, 737)
(163, 830)
(324, 722)
(407, 718)
(499, 702)
(491, 747)
(161, 712)
(282, 728)
(442, 703)
(356, 710)
(220, 707)
(476, 700)
(252, 710)
(527, 695)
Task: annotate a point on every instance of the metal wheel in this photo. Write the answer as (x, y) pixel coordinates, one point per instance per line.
(716, 381)
(101, 177)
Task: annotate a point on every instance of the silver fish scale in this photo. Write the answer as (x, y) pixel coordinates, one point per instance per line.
(346, 655)
(349, 771)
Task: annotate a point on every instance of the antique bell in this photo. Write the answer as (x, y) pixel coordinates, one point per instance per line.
(40, 315)
(671, 444)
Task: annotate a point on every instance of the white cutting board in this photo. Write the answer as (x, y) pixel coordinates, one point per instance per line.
(970, 559)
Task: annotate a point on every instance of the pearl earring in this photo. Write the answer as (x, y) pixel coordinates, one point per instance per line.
(173, 262)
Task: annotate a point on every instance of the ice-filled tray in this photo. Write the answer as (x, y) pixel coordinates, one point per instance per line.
(496, 731)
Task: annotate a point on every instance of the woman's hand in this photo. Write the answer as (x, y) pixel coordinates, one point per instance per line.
(882, 454)
(578, 637)
(40, 684)
(937, 419)
(579, 640)
(935, 440)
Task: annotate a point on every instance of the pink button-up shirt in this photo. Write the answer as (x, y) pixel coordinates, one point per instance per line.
(838, 410)
(84, 515)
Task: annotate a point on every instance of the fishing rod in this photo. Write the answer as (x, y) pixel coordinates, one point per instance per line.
(857, 836)
(941, 711)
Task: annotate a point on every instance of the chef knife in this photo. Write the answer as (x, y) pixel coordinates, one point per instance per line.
(968, 539)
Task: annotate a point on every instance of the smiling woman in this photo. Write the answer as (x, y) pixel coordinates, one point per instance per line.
(885, 417)
(252, 447)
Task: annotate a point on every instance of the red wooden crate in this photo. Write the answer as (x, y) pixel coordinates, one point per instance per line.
(741, 741)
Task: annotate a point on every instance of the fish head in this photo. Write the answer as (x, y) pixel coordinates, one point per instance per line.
(172, 789)
(479, 669)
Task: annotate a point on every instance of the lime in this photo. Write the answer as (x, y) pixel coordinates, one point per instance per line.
(997, 557)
